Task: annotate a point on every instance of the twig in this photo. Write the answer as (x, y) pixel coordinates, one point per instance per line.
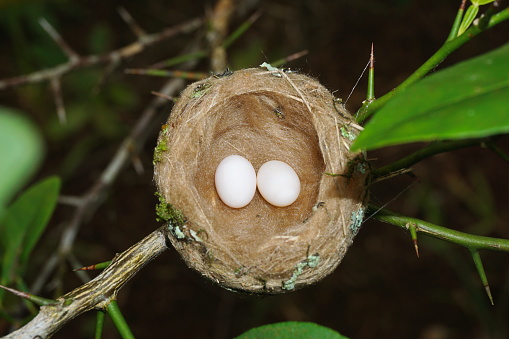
(71, 54)
(219, 22)
(114, 56)
(469, 241)
(56, 88)
(133, 25)
(289, 58)
(425, 152)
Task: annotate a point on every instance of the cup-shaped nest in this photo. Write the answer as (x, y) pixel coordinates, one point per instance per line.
(262, 115)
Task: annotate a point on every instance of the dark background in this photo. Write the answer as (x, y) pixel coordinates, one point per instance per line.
(381, 289)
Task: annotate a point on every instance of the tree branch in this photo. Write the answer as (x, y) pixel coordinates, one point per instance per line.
(76, 61)
(97, 293)
(469, 241)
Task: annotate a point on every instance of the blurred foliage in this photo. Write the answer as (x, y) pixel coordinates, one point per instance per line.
(291, 330)
(21, 227)
(21, 148)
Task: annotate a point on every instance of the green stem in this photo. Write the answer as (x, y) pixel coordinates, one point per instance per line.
(119, 320)
(425, 152)
(457, 22)
(491, 145)
(371, 77)
(471, 242)
(99, 325)
(446, 49)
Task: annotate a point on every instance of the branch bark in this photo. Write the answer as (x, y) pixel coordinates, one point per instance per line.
(97, 293)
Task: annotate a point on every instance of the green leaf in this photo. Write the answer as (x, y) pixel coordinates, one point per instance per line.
(469, 17)
(467, 100)
(24, 222)
(21, 150)
(291, 330)
(481, 2)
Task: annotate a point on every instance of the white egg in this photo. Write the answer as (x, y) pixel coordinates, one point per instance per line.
(278, 183)
(235, 181)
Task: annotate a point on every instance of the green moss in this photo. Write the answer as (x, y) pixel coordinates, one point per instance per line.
(357, 164)
(278, 112)
(311, 261)
(209, 258)
(67, 302)
(239, 271)
(162, 146)
(201, 90)
(347, 133)
(362, 167)
(167, 213)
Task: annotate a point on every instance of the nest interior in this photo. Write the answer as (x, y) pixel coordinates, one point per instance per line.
(261, 115)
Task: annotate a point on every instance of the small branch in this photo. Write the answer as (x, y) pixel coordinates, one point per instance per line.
(425, 152)
(491, 145)
(71, 54)
(99, 324)
(486, 22)
(56, 88)
(469, 241)
(111, 57)
(457, 21)
(133, 25)
(168, 74)
(31, 297)
(370, 96)
(289, 58)
(119, 320)
(219, 22)
(97, 293)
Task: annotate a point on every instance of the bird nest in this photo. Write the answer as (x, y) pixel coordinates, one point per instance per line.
(261, 114)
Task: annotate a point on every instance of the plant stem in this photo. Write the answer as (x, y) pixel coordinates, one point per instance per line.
(498, 151)
(471, 242)
(99, 325)
(457, 21)
(371, 77)
(447, 48)
(425, 152)
(119, 320)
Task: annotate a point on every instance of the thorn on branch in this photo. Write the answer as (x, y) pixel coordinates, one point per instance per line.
(133, 25)
(482, 274)
(99, 266)
(33, 298)
(412, 227)
(71, 54)
(56, 88)
(162, 95)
